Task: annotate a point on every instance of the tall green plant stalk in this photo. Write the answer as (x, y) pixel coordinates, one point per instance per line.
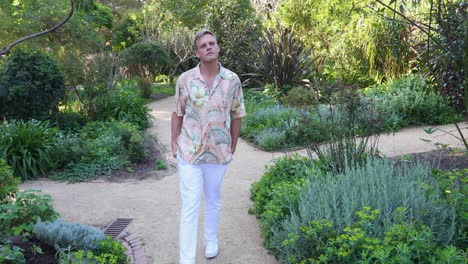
(352, 138)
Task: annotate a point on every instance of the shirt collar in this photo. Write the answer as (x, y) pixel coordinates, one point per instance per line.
(197, 73)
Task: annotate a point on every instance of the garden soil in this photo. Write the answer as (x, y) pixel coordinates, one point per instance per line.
(152, 201)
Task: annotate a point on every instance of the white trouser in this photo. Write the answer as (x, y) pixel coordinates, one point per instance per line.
(194, 179)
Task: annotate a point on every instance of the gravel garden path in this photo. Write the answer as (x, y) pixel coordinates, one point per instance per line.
(153, 202)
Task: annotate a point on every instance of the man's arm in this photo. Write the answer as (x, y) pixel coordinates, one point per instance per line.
(176, 126)
(235, 132)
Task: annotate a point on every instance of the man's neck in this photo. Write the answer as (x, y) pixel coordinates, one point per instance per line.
(210, 69)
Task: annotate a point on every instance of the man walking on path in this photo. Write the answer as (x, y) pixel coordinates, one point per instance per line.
(205, 128)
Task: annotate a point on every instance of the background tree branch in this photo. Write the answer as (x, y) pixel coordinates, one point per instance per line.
(35, 35)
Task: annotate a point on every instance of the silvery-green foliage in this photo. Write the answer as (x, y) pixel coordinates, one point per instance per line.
(271, 139)
(378, 184)
(60, 234)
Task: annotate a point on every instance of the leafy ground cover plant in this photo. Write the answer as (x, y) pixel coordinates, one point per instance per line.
(277, 193)
(99, 148)
(454, 189)
(402, 243)
(412, 101)
(366, 213)
(338, 111)
(107, 251)
(272, 126)
(18, 214)
(28, 147)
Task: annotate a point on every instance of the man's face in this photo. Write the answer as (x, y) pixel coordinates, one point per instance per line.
(207, 49)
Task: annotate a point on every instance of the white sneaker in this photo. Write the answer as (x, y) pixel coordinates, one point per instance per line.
(211, 250)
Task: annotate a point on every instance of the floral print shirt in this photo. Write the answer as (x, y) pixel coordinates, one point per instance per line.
(205, 137)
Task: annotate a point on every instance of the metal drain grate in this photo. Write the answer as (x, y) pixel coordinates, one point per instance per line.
(116, 227)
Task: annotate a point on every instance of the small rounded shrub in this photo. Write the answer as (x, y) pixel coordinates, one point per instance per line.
(31, 86)
(144, 59)
(298, 97)
(61, 234)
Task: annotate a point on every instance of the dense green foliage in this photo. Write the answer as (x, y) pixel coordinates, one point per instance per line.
(278, 191)
(98, 148)
(454, 188)
(283, 60)
(344, 113)
(447, 59)
(357, 45)
(237, 27)
(272, 126)
(19, 214)
(31, 86)
(60, 234)
(107, 251)
(410, 101)
(11, 254)
(125, 107)
(144, 59)
(28, 147)
(378, 213)
(8, 183)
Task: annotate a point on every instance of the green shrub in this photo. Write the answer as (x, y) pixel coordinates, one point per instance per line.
(18, 215)
(61, 234)
(337, 199)
(111, 251)
(284, 198)
(161, 165)
(403, 243)
(70, 149)
(270, 139)
(114, 138)
(31, 86)
(286, 169)
(236, 27)
(275, 127)
(8, 183)
(412, 99)
(11, 255)
(144, 59)
(99, 148)
(71, 121)
(108, 251)
(454, 189)
(125, 107)
(28, 147)
(299, 97)
(283, 59)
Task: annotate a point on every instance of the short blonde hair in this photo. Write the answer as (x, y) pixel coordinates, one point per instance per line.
(200, 34)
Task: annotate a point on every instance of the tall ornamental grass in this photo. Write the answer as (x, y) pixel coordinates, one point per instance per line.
(380, 185)
(28, 147)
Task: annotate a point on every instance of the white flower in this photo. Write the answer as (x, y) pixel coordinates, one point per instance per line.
(196, 145)
(199, 96)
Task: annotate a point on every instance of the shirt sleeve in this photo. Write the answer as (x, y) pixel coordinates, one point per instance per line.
(180, 96)
(238, 107)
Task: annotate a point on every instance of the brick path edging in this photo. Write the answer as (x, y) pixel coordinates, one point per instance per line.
(135, 250)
